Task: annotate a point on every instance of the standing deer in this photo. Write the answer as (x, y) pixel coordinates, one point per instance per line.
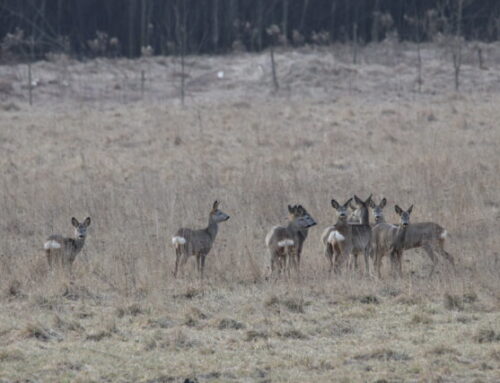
(428, 235)
(62, 251)
(285, 243)
(382, 235)
(346, 237)
(361, 233)
(189, 242)
(360, 213)
(338, 238)
(302, 234)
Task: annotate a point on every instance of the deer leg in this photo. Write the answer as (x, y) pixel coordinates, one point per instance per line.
(354, 262)
(198, 262)
(445, 254)
(297, 260)
(299, 252)
(289, 260)
(294, 257)
(367, 264)
(282, 263)
(183, 260)
(329, 256)
(339, 260)
(378, 262)
(399, 258)
(394, 262)
(49, 258)
(178, 255)
(202, 264)
(428, 249)
(275, 264)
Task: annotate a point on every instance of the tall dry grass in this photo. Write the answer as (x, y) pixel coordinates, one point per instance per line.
(140, 172)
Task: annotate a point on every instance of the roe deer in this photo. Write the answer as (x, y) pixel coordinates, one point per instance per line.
(428, 235)
(360, 213)
(361, 233)
(62, 251)
(382, 235)
(285, 243)
(338, 238)
(378, 210)
(188, 242)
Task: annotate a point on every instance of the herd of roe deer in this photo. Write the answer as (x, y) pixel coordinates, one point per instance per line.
(350, 236)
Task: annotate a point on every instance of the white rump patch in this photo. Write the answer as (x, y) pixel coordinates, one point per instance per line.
(444, 234)
(270, 235)
(178, 241)
(335, 236)
(285, 243)
(51, 245)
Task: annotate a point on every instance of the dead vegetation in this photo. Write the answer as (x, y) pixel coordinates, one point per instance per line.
(143, 169)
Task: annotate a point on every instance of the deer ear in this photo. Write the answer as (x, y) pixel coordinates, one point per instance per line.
(382, 203)
(398, 209)
(348, 202)
(335, 204)
(87, 221)
(357, 200)
(372, 204)
(291, 209)
(215, 205)
(75, 222)
(368, 200)
(410, 209)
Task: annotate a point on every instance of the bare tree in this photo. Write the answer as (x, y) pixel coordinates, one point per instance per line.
(284, 27)
(419, 25)
(274, 31)
(215, 25)
(457, 43)
(355, 43)
(453, 33)
(181, 32)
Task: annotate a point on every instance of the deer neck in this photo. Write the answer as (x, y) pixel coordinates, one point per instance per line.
(303, 233)
(365, 216)
(400, 237)
(293, 228)
(342, 225)
(212, 227)
(78, 243)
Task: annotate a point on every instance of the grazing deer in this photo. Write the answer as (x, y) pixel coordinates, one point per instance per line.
(285, 243)
(188, 242)
(62, 251)
(395, 239)
(338, 238)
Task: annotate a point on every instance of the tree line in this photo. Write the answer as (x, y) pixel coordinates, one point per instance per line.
(138, 27)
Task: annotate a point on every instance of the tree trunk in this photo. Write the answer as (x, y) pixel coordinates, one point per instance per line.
(215, 25)
(284, 27)
(131, 29)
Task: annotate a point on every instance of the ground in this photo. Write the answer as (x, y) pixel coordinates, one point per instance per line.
(98, 143)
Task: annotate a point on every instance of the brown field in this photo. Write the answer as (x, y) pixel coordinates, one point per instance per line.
(141, 165)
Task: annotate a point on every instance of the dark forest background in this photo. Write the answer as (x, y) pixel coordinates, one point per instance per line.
(138, 27)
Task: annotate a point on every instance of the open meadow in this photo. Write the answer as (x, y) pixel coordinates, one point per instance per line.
(97, 142)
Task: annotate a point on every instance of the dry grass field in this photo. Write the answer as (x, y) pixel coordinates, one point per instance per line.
(141, 165)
